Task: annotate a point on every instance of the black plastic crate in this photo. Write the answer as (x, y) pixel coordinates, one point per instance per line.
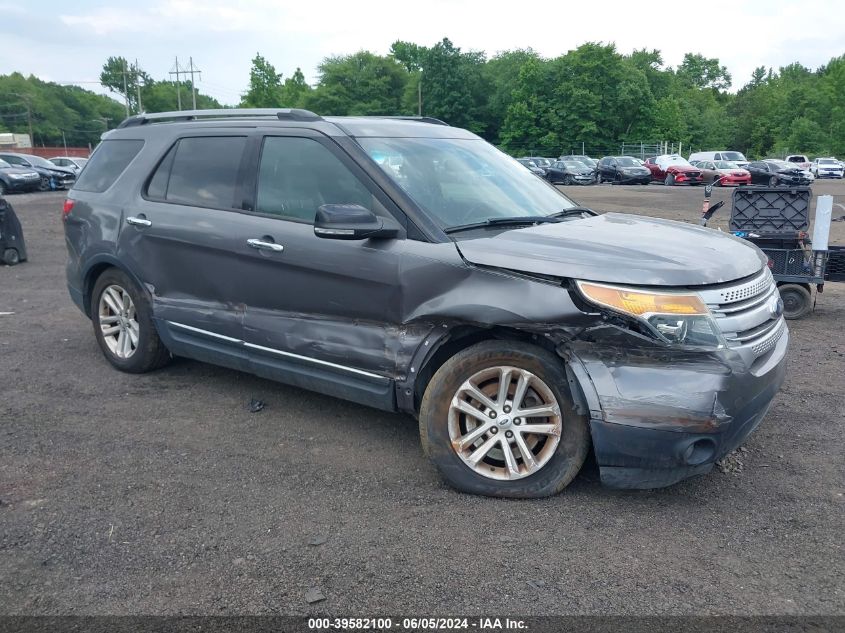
(835, 270)
(790, 261)
(768, 210)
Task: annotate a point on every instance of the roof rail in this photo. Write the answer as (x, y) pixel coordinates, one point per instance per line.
(421, 119)
(283, 114)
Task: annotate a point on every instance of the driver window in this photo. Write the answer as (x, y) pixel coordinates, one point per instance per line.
(297, 175)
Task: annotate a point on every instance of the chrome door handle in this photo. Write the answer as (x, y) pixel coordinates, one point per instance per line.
(138, 221)
(265, 246)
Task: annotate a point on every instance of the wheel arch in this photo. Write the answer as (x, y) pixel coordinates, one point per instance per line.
(458, 339)
(94, 269)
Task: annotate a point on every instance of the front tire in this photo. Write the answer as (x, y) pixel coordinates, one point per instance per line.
(669, 180)
(773, 181)
(44, 184)
(123, 326)
(497, 419)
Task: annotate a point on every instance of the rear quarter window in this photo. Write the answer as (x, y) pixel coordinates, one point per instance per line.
(109, 161)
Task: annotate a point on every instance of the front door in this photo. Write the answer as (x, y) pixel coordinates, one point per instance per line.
(323, 314)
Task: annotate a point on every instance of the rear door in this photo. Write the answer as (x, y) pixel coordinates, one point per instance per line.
(323, 314)
(184, 239)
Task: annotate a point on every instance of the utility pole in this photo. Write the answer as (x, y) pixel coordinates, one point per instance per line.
(193, 89)
(125, 90)
(176, 70)
(138, 86)
(64, 141)
(419, 95)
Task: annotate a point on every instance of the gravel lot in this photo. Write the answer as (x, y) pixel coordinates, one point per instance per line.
(163, 494)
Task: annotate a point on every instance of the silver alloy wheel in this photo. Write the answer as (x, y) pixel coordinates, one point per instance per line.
(118, 321)
(504, 423)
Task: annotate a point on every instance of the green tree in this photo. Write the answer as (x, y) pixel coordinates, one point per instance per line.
(358, 84)
(703, 72)
(294, 91)
(264, 85)
(124, 79)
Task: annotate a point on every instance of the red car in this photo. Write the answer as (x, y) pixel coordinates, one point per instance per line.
(723, 173)
(673, 169)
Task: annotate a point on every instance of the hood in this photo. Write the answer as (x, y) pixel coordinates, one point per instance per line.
(62, 170)
(682, 168)
(20, 171)
(617, 248)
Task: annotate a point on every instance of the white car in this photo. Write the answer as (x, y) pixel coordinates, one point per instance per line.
(71, 162)
(800, 160)
(827, 168)
(737, 158)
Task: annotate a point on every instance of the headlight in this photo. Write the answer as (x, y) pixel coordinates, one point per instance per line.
(678, 318)
(15, 176)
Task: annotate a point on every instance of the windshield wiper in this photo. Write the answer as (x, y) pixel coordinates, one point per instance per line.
(514, 221)
(572, 211)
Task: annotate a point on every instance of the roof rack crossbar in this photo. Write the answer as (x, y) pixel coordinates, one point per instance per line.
(283, 114)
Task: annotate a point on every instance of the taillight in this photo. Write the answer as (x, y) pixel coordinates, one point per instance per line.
(67, 207)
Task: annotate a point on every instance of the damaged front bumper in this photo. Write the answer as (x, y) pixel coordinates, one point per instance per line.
(660, 416)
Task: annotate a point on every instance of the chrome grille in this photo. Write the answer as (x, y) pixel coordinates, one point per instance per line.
(745, 312)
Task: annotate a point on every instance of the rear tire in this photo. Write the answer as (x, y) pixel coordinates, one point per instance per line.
(11, 257)
(554, 460)
(120, 308)
(797, 301)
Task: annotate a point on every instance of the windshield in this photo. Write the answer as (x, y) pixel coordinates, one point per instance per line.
(463, 181)
(4, 164)
(571, 164)
(37, 161)
(782, 164)
(733, 156)
(627, 161)
(666, 161)
(725, 164)
(827, 161)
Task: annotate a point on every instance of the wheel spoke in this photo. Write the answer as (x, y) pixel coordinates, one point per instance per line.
(121, 338)
(465, 407)
(111, 302)
(132, 330)
(542, 429)
(478, 454)
(111, 331)
(542, 411)
(510, 460)
(108, 320)
(521, 388)
(504, 385)
(476, 393)
(470, 438)
(126, 301)
(527, 455)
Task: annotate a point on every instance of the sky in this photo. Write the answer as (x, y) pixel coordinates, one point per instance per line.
(68, 42)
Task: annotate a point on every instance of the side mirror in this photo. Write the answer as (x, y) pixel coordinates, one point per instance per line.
(352, 222)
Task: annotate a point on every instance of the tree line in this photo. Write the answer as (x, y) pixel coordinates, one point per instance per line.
(592, 97)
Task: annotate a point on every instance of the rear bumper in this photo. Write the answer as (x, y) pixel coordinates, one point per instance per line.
(656, 420)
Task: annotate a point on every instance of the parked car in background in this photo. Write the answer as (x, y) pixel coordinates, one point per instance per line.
(13, 179)
(622, 170)
(730, 156)
(800, 159)
(673, 169)
(581, 158)
(722, 173)
(775, 173)
(827, 168)
(71, 162)
(569, 172)
(541, 161)
(51, 176)
(532, 166)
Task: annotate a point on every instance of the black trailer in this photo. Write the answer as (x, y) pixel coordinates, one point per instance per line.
(776, 219)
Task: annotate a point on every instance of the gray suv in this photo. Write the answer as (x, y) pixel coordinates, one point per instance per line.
(411, 266)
